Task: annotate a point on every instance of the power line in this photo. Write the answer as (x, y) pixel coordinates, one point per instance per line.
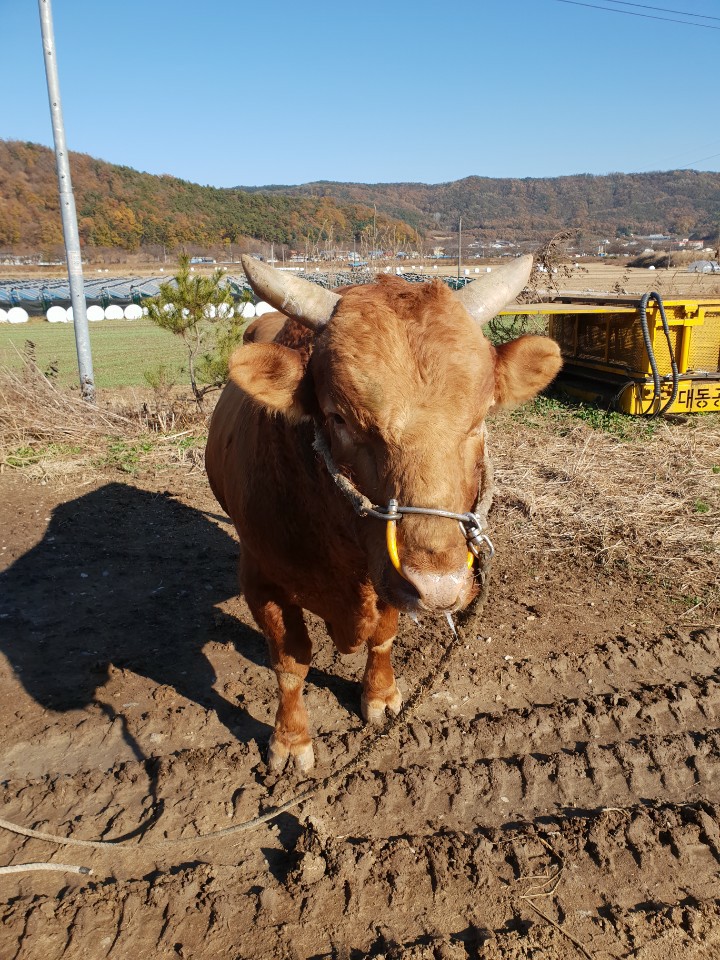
(683, 13)
(645, 16)
(701, 160)
(673, 157)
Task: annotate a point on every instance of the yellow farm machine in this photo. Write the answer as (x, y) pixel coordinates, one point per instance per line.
(643, 356)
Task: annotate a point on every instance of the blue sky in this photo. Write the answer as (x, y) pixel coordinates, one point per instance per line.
(226, 92)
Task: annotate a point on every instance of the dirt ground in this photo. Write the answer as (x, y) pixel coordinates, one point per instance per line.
(555, 794)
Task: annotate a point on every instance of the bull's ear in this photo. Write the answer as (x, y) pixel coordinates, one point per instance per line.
(523, 368)
(274, 376)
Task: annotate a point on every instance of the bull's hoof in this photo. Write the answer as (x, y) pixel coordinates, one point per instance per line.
(373, 708)
(279, 753)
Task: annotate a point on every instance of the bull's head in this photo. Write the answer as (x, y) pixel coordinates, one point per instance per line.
(400, 381)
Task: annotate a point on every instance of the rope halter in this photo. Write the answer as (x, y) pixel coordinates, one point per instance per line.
(470, 523)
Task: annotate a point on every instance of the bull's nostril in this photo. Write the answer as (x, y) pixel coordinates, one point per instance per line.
(437, 591)
(403, 588)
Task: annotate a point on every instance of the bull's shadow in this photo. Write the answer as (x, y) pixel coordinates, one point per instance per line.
(129, 578)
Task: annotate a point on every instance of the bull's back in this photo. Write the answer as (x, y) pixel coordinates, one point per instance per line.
(222, 452)
(265, 328)
(261, 474)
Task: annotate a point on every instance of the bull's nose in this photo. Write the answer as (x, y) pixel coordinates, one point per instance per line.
(436, 591)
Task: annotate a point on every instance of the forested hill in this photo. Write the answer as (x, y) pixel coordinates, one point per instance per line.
(120, 207)
(678, 201)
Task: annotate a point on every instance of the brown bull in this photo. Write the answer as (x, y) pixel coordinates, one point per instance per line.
(387, 387)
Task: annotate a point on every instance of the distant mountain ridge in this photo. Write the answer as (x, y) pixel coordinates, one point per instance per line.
(123, 208)
(676, 201)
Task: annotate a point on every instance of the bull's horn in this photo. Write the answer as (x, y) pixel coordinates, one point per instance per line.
(307, 302)
(484, 297)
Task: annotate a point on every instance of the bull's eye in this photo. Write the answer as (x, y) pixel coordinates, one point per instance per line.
(338, 428)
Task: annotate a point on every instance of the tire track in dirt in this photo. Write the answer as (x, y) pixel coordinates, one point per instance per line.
(455, 792)
(462, 792)
(659, 741)
(575, 772)
(663, 708)
(475, 808)
(499, 874)
(612, 666)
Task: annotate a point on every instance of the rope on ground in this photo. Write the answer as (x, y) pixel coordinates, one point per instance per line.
(59, 867)
(466, 622)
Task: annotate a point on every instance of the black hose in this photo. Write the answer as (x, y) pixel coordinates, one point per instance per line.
(646, 298)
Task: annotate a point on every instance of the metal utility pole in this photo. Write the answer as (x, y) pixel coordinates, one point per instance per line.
(67, 208)
(459, 249)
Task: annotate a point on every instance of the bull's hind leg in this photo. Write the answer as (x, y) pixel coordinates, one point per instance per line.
(290, 653)
(380, 690)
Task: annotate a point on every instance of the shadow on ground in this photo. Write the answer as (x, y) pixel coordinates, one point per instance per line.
(128, 578)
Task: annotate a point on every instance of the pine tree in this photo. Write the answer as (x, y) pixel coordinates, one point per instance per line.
(200, 310)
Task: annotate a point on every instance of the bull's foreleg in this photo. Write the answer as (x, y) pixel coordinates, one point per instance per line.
(291, 737)
(290, 653)
(379, 690)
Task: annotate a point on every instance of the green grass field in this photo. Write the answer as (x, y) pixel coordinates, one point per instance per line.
(121, 350)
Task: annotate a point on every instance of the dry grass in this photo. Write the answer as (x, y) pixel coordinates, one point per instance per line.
(33, 409)
(51, 431)
(647, 507)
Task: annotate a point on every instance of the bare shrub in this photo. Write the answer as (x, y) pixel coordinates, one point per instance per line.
(550, 268)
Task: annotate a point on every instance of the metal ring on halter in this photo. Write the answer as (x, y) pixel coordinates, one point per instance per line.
(476, 538)
(469, 524)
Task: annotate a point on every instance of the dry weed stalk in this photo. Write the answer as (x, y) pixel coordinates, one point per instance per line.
(38, 420)
(549, 269)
